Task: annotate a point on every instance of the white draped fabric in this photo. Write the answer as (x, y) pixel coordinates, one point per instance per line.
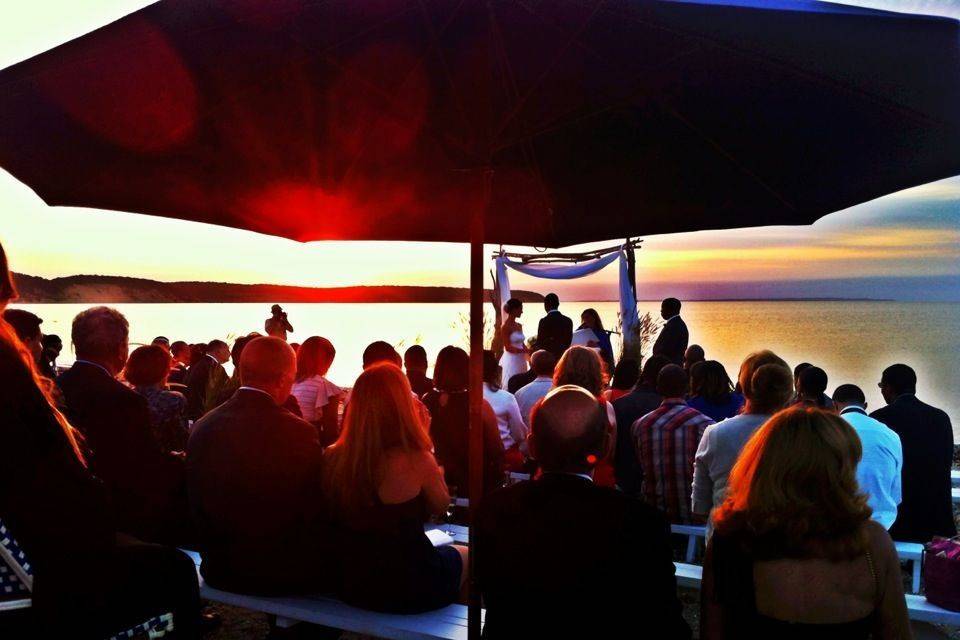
(553, 271)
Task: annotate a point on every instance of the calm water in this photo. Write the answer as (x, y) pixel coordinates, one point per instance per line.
(852, 341)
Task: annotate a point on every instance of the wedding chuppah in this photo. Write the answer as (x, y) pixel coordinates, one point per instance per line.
(572, 266)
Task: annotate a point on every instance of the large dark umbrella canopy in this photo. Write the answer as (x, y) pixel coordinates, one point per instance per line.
(388, 119)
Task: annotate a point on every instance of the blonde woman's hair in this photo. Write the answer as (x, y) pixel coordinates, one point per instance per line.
(380, 417)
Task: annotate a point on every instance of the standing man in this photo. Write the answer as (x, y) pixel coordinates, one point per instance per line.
(277, 324)
(206, 378)
(878, 473)
(927, 439)
(673, 338)
(555, 330)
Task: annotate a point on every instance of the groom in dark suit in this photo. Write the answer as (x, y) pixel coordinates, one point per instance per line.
(555, 330)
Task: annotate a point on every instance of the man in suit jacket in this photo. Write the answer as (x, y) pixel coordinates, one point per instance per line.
(206, 378)
(254, 481)
(145, 484)
(926, 436)
(673, 338)
(561, 557)
(555, 330)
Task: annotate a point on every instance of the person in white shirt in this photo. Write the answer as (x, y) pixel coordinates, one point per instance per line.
(513, 431)
(543, 363)
(319, 399)
(881, 465)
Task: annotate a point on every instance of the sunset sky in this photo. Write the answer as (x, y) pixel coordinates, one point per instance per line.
(904, 246)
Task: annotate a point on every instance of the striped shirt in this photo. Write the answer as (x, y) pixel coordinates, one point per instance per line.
(666, 440)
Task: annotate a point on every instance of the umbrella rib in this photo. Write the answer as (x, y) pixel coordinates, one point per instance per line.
(526, 146)
(560, 122)
(435, 37)
(572, 40)
(721, 150)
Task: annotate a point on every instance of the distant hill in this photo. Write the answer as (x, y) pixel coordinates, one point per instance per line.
(114, 289)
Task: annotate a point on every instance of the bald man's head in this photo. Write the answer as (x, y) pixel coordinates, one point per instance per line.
(268, 364)
(569, 431)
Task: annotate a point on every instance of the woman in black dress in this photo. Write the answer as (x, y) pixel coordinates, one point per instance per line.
(88, 581)
(449, 406)
(384, 485)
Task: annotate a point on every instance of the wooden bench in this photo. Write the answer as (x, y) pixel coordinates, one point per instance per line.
(912, 553)
(909, 552)
(448, 623)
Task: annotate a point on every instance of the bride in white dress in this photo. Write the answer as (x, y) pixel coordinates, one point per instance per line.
(514, 358)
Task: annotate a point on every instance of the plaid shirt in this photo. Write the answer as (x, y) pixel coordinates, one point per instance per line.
(666, 441)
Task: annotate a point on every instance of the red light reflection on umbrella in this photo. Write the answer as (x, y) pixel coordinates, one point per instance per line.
(144, 99)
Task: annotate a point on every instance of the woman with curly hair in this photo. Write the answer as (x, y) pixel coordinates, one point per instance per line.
(794, 552)
(583, 367)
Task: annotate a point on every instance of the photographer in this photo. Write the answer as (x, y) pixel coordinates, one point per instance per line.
(277, 324)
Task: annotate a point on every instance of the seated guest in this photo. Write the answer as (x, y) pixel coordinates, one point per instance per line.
(712, 393)
(88, 581)
(543, 363)
(228, 388)
(628, 409)
(318, 398)
(384, 485)
(767, 384)
(254, 479)
(449, 406)
(692, 356)
(582, 367)
(415, 363)
(52, 346)
(878, 473)
(147, 370)
(794, 553)
(27, 327)
(797, 370)
(206, 378)
(811, 389)
(927, 439)
(180, 351)
(667, 439)
(145, 484)
(513, 430)
(378, 352)
(559, 557)
(196, 352)
(625, 377)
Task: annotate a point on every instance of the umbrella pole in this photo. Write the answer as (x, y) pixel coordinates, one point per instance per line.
(476, 418)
